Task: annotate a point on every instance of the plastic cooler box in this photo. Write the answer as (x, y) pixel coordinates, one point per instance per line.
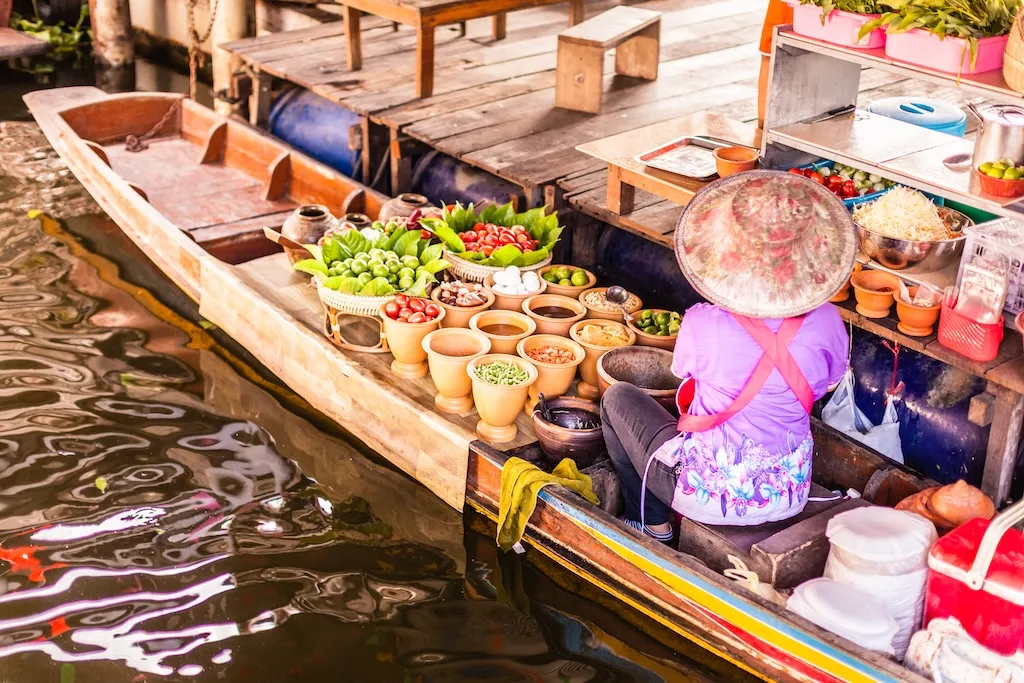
(839, 28)
(976, 575)
(936, 115)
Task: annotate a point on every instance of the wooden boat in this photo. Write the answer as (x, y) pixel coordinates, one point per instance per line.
(275, 314)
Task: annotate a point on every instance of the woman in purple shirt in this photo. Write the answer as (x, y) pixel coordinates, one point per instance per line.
(768, 249)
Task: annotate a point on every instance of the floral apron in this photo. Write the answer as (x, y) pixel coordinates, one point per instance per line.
(744, 485)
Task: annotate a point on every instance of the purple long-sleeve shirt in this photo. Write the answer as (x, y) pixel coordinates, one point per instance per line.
(720, 355)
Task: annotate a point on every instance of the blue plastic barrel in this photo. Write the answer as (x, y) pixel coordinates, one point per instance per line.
(442, 178)
(921, 111)
(316, 126)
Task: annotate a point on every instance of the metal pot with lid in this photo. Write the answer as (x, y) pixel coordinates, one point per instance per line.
(1001, 135)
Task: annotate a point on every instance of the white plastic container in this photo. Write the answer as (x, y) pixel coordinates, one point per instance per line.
(1000, 242)
(846, 611)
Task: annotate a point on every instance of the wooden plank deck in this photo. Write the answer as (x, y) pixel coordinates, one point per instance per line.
(17, 44)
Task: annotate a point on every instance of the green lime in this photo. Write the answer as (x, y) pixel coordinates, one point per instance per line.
(646, 314)
(673, 328)
(579, 278)
(562, 272)
(406, 272)
(998, 165)
(377, 225)
(364, 278)
(564, 282)
(995, 172)
(347, 273)
(405, 283)
(380, 271)
(550, 276)
(662, 332)
(359, 266)
(1011, 174)
(393, 266)
(374, 262)
(1008, 162)
(663, 319)
(985, 167)
(410, 262)
(675, 316)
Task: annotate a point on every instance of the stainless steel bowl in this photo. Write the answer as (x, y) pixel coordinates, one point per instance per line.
(916, 257)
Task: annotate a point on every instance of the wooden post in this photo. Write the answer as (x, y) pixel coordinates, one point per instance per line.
(235, 19)
(5, 12)
(1003, 441)
(111, 21)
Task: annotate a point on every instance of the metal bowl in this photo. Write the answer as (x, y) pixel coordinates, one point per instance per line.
(916, 257)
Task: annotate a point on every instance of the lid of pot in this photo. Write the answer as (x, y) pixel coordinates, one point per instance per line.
(882, 534)
(920, 111)
(1004, 114)
(766, 244)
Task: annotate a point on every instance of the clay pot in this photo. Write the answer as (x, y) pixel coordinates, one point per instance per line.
(553, 379)
(556, 442)
(616, 315)
(503, 343)
(844, 293)
(458, 316)
(307, 225)
(874, 291)
(546, 325)
(588, 386)
(570, 290)
(732, 160)
(915, 321)
(960, 502)
(403, 205)
(645, 367)
(406, 343)
(448, 353)
(357, 220)
(499, 405)
(511, 302)
(645, 339)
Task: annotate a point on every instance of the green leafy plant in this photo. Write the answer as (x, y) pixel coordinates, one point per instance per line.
(967, 19)
(459, 219)
(853, 6)
(62, 38)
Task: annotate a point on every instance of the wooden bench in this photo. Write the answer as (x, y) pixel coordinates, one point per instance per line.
(634, 33)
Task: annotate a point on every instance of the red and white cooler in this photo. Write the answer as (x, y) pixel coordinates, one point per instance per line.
(976, 575)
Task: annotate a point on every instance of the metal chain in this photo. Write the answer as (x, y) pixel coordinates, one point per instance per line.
(195, 40)
(134, 143)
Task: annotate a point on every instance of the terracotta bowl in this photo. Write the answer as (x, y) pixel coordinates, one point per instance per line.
(844, 293)
(645, 367)
(499, 405)
(546, 325)
(572, 291)
(732, 160)
(616, 315)
(588, 386)
(916, 321)
(511, 302)
(557, 442)
(458, 316)
(406, 343)
(874, 291)
(553, 379)
(449, 351)
(503, 343)
(645, 339)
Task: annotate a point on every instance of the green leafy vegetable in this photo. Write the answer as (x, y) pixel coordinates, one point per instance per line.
(419, 288)
(853, 6)
(408, 244)
(353, 242)
(332, 250)
(435, 266)
(311, 266)
(506, 255)
(430, 252)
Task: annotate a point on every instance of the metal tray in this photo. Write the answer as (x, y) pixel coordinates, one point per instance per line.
(688, 156)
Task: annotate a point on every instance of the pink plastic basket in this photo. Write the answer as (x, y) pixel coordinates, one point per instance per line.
(840, 28)
(967, 337)
(949, 55)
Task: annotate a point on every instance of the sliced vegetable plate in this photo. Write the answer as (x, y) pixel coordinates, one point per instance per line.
(459, 220)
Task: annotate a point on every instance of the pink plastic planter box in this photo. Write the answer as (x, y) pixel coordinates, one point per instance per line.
(840, 28)
(949, 55)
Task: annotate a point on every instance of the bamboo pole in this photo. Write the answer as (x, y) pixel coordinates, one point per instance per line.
(235, 19)
(112, 32)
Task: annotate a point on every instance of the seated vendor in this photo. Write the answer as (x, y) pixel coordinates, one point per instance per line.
(768, 250)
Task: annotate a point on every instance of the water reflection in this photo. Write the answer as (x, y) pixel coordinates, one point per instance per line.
(155, 522)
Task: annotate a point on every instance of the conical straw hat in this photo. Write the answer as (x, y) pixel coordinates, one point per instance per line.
(766, 244)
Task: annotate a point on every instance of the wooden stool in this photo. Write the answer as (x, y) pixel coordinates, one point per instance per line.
(634, 33)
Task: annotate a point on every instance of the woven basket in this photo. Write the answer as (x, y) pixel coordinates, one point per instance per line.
(337, 305)
(1013, 59)
(466, 270)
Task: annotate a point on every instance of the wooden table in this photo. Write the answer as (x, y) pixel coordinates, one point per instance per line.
(425, 16)
(626, 174)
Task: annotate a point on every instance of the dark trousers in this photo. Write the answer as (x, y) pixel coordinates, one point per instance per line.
(635, 426)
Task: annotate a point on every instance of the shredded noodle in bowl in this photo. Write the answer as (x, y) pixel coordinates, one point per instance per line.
(904, 214)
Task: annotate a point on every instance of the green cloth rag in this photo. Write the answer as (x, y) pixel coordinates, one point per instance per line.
(521, 481)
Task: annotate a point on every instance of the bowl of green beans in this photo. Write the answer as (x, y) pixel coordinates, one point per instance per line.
(501, 385)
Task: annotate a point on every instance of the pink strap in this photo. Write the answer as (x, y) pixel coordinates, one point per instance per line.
(776, 356)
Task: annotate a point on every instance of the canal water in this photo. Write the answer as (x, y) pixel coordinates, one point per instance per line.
(169, 512)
